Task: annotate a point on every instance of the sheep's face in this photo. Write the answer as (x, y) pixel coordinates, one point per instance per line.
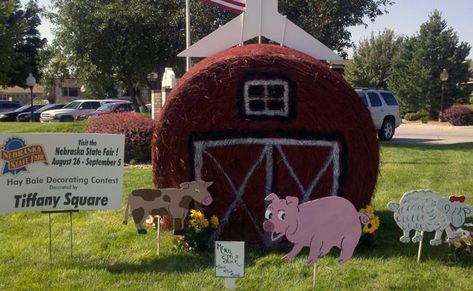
(456, 212)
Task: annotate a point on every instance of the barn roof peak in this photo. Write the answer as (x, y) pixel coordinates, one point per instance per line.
(260, 18)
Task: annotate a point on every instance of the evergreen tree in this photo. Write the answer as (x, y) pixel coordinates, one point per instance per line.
(10, 34)
(410, 79)
(416, 73)
(26, 50)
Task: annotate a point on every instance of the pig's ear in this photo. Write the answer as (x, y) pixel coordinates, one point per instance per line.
(184, 185)
(292, 200)
(271, 197)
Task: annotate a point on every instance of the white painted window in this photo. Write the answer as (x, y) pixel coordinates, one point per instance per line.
(266, 98)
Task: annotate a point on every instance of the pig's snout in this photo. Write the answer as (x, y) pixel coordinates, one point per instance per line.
(207, 200)
(268, 226)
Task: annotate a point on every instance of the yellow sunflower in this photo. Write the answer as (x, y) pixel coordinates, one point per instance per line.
(197, 214)
(369, 209)
(372, 225)
(204, 222)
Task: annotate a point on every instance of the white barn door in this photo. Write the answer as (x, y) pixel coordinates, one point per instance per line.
(245, 167)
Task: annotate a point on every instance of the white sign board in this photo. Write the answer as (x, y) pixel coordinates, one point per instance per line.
(230, 259)
(61, 171)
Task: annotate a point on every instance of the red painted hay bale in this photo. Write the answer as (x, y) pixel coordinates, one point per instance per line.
(206, 105)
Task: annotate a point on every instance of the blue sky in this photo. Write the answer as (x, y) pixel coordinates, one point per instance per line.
(405, 16)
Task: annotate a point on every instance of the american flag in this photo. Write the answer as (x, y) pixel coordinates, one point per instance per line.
(236, 6)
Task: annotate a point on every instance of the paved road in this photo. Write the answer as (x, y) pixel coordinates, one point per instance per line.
(416, 133)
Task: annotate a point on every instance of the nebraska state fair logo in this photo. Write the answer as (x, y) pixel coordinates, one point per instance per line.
(17, 155)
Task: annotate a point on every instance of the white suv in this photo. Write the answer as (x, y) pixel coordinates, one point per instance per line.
(384, 110)
(71, 111)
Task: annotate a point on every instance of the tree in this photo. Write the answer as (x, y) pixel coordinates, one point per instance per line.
(126, 39)
(416, 72)
(372, 60)
(116, 40)
(409, 78)
(10, 35)
(328, 20)
(26, 50)
(20, 42)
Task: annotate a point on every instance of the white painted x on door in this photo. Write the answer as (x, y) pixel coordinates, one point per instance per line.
(245, 170)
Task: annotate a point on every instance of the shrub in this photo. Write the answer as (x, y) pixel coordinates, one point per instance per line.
(459, 115)
(420, 115)
(471, 100)
(138, 131)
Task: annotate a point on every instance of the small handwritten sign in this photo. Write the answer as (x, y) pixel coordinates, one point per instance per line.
(229, 259)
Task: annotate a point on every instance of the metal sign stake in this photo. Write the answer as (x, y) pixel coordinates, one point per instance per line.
(49, 212)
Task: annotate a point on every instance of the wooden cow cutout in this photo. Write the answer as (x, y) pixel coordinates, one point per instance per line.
(170, 201)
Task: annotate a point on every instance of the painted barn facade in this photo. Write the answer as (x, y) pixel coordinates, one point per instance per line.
(257, 119)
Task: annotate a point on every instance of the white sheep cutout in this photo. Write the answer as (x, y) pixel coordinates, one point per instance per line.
(424, 210)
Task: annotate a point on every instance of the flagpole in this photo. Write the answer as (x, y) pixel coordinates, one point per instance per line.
(188, 34)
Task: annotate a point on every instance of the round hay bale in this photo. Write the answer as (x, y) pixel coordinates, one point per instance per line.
(257, 119)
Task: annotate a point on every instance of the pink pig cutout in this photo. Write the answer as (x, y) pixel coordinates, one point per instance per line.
(320, 224)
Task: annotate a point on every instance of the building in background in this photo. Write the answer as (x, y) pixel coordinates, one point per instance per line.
(22, 95)
(65, 91)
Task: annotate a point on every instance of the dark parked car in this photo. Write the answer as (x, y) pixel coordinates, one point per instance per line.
(11, 116)
(25, 116)
(117, 107)
(7, 106)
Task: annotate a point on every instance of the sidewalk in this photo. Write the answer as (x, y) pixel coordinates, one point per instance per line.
(432, 133)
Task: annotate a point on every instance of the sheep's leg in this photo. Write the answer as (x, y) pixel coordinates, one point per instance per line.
(417, 237)
(450, 234)
(405, 238)
(437, 239)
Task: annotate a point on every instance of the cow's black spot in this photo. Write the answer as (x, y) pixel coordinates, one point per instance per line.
(147, 194)
(166, 198)
(185, 202)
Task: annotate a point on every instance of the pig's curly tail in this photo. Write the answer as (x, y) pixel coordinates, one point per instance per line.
(364, 218)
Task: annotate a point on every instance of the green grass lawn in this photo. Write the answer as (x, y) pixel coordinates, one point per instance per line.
(109, 255)
(22, 127)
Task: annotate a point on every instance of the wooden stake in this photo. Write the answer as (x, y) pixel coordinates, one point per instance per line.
(419, 253)
(313, 278)
(158, 236)
(230, 283)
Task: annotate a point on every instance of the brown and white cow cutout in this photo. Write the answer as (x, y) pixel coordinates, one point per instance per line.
(174, 202)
